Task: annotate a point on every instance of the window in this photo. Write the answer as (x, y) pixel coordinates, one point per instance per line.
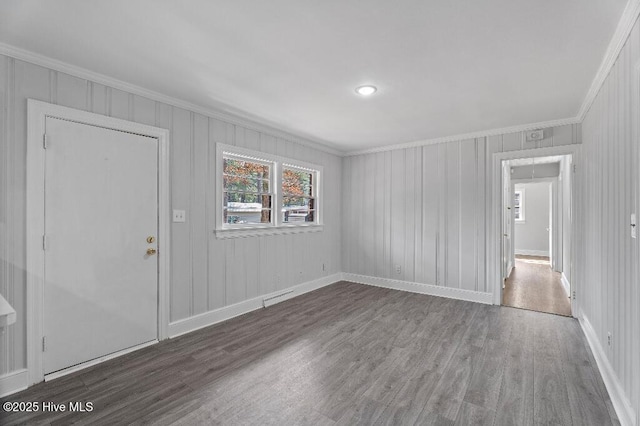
(266, 194)
(298, 195)
(518, 205)
(247, 191)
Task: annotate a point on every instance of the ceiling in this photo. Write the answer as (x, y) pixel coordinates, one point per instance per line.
(442, 67)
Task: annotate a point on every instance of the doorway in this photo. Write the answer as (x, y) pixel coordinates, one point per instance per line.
(538, 202)
(98, 207)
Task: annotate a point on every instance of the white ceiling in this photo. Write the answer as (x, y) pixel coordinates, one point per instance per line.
(442, 67)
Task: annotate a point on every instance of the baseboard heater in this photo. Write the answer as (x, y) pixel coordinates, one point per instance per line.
(272, 300)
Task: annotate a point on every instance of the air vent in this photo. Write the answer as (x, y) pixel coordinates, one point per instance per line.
(272, 300)
(535, 135)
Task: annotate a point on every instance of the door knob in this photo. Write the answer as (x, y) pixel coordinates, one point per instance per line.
(151, 251)
(151, 239)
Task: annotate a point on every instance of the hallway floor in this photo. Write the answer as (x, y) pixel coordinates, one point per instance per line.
(535, 286)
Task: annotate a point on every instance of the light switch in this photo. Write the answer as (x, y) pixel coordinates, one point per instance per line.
(179, 216)
(633, 225)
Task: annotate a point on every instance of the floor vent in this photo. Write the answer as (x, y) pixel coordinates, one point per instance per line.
(268, 301)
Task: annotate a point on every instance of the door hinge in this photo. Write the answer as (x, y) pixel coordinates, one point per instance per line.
(45, 140)
(574, 295)
(44, 343)
(44, 242)
(575, 168)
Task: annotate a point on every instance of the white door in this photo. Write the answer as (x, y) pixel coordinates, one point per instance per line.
(101, 206)
(507, 202)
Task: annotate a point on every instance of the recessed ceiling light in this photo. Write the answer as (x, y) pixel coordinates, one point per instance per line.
(366, 90)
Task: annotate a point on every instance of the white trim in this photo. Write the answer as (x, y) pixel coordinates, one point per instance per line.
(620, 402)
(619, 39)
(266, 230)
(532, 252)
(73, 369)
(465, 136)
(187, 325)
(565, 284)
(494, 267)
(635, 114)
(37, 113)
(413, 287)
(233, 117)
(13, 382)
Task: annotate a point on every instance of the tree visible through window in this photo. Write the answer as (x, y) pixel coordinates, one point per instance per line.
(247, 191)
(298, 198)
(265, 194)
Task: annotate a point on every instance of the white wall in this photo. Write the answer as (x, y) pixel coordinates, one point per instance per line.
(534, 172)
(532, 236)
(607, 274)
(427, 209)
(206, 273)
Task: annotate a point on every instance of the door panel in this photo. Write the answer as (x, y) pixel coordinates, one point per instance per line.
(101, 204)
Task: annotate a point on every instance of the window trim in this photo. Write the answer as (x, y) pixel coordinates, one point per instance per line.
(522, 206)
(277, 226)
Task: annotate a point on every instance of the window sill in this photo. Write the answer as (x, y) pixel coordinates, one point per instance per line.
(271, 230)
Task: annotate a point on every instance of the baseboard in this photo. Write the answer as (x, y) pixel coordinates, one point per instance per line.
(616, 392)
(565, 284)
(206, 319)
(533, 252)
(413, 287)
(13, 382)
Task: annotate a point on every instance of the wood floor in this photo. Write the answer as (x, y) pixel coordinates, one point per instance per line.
(348, 354)
(534, 285)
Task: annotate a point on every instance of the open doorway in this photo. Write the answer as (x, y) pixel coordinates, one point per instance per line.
(537, 221)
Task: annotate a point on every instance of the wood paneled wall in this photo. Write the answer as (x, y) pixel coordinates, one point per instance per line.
(609, 256)
(206, 273)
(426, 209)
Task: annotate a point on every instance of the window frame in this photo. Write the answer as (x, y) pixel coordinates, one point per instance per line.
(313, 196)
(277, 165)
(271, 192)
(521, 205)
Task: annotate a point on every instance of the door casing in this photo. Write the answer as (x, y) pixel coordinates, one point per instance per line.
(37, 113)
(494, 247)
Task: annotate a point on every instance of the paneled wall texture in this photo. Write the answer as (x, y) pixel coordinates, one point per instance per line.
(609, 290)
(206, 273)
(422, 214)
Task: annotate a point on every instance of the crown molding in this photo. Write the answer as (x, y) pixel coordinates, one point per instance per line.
(233, 118)
(623, 30)
(619, 39)
(465, 136)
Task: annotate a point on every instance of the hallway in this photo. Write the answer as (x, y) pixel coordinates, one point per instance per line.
(533, 285)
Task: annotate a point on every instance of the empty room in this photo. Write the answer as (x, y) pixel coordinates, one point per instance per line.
(319, 212)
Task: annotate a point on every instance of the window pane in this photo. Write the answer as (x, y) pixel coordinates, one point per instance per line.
(235, 183)
(263, 200)
(242, 208)
(245, 168)
(297, 182)
(298, 209)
